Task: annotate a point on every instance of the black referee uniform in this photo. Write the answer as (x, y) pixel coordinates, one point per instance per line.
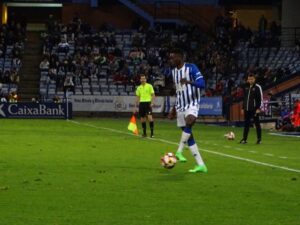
(252, 102)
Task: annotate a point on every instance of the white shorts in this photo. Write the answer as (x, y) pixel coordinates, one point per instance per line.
(193, 110)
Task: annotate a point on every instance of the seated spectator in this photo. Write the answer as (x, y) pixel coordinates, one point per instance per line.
(13, 97)
(44, 65)
(16, 63)
(159, 83)
(2, 94)
(56, 99)
(14, 77)
(69, 84)
(100, 59)
(35, 100)
(6, 77)
(52, 73)
(63, 46)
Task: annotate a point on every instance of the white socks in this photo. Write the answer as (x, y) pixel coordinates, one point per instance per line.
(195, 152)
(184, 137)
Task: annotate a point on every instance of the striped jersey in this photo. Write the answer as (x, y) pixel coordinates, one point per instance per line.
(186, 95)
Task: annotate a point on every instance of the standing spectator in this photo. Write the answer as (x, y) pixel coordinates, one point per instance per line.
(251, 107)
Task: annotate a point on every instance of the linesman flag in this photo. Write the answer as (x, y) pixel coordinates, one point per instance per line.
(132, 125)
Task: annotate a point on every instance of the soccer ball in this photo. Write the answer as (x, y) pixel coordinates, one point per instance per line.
(168, 161)
(230, 136)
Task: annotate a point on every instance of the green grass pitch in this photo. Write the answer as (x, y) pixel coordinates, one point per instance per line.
(94, 172)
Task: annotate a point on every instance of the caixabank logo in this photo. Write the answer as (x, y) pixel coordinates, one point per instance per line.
(31, 110)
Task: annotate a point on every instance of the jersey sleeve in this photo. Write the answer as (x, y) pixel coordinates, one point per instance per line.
(197, 76)
(137, 92)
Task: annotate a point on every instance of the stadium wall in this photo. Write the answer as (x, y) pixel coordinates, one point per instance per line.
(1, 8)
(117, 15)
(290, 13)
(249, 15)
(202, 15)
(120, 16)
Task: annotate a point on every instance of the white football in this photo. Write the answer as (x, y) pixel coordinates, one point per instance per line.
(231, 135)
(168, 161)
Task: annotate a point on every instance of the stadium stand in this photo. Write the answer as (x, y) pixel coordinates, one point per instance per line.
(12, 37)
(108, 61)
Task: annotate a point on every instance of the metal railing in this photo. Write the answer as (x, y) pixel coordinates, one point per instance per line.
(289, 36)
(178, 10)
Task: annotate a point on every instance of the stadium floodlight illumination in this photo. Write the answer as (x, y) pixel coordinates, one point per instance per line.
(23, 4)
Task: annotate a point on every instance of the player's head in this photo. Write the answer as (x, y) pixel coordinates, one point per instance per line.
(176, 57)
(143, 78)
(251, 78)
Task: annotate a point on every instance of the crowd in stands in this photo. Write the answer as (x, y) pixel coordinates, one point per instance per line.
(84, 60)
(12, 37)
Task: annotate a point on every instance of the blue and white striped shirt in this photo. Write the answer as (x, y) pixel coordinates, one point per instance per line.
(188, 94)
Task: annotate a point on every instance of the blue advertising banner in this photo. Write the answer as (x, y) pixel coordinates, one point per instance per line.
(211, 106)
(36, 110)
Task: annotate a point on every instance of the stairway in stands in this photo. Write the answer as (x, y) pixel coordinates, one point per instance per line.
(28, 87)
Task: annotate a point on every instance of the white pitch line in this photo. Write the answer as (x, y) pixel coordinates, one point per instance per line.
(226, 146)
(202, 149)
(268, 154)
(253, 152)
(239, 149)
(284, 135)
(282, 157)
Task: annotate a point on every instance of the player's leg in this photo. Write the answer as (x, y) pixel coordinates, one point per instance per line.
(144, 126)
(151, 121)
(200, 167)
(142, 114)
(181, 145)
(258, 128)
(247, 119)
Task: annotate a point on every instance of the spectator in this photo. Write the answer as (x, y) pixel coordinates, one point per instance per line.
(2, 94)
(69, 85)
(13, 97)
(14, 77)
(44, 65)
(63, 46)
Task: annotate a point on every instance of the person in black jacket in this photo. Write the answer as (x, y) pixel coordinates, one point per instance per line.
(251, 107)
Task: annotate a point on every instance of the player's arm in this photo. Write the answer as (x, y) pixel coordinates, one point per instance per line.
(137, 103)
(259, 97)
(137, 100)
(152, 99)
(172, 113)
(152, 96)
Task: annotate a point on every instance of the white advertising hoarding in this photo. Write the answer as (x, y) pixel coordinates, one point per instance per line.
(94, 103)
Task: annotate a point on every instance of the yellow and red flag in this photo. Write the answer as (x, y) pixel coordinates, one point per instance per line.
(132, 125)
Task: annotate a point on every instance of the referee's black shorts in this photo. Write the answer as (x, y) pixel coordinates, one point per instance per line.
(145, 109)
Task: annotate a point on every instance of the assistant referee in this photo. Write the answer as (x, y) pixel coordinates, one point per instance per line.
(144, 102)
